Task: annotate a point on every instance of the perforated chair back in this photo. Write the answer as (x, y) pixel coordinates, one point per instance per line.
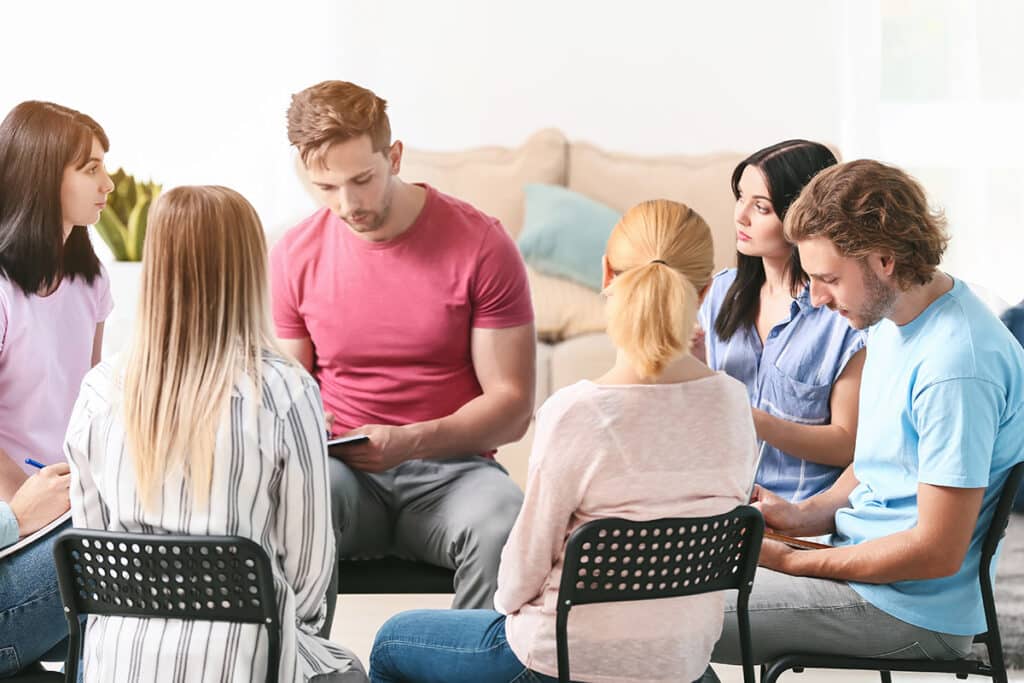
(205, 578)
(962, 668)
(612, 560)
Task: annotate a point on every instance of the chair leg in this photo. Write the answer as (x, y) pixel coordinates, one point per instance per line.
(886, 676)
(771, 671)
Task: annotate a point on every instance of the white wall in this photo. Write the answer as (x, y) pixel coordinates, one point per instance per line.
(196, 93)
(647, 76)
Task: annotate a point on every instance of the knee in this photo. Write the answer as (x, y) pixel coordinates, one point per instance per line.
(487, 533)
(344, 491)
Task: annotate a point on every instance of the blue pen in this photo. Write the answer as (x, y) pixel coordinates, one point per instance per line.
(34, 463)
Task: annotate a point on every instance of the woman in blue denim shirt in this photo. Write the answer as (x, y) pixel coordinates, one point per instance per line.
(801, 365)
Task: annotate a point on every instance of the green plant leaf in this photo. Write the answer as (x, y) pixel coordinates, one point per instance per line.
(113, 232)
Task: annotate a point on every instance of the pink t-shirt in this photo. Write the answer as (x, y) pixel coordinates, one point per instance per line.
(391, 321)
(45, 351)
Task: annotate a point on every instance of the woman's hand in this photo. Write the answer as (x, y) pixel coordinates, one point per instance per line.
(42, 498)
(779, 514)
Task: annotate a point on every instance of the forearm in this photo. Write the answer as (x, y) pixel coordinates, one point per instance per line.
(903, 556)
(817, 515)
(829, 444)
(479, 426)
(11, 476)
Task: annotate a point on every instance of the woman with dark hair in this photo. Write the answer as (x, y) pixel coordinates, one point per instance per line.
(801, 365)
(54, 296)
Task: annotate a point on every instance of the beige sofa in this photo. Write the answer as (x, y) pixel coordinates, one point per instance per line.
(571, 342)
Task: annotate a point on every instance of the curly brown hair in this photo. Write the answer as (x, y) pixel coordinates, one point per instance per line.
(335, 111)
(865, 206)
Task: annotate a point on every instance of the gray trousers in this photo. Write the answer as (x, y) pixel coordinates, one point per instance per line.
(454, 513)
(816, 616)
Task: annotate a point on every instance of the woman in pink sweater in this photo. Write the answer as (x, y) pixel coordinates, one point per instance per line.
(658, 435)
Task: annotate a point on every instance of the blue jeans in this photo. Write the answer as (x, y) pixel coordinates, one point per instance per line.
(447, 646)
(32, 623)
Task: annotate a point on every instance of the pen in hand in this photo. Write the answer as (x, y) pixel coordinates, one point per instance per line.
(34, 463)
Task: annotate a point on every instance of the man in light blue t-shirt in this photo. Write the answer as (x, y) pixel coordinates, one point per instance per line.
(941, 424)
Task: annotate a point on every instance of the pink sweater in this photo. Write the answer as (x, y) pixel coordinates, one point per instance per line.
(639, 452)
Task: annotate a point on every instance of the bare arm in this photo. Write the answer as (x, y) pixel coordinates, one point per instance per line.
(299, 349)
(11, 477)
(830, 444)
(505, 364)
(97, 345)
(812, 517)
(934, 548)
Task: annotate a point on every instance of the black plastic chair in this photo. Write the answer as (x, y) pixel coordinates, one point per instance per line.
(393, 575)
(206, 578)
(611, 560)
(996, 668)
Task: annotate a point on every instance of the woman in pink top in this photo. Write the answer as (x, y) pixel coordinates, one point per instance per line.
(658, 435)
(54, 297)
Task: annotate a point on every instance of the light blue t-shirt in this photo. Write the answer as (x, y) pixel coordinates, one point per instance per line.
(790, 377)
(941, 403)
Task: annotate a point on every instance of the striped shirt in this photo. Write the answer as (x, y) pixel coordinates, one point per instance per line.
(269, 484)
(790, 376)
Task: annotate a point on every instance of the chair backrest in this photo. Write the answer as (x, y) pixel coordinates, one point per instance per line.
(611, 560)
(206, 578)
(996, 531)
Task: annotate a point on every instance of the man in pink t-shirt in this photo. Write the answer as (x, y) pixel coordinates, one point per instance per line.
(412, 310)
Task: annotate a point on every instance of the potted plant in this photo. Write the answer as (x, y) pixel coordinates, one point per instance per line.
(122, 225)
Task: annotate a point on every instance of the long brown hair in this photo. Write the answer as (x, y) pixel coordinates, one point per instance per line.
(202, 324)
(663, 254)
(38, 140)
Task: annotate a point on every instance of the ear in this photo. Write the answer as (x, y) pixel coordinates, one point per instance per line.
(394, 156)
(606, 270)
(886, 262)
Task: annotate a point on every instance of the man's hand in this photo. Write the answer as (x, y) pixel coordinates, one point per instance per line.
(387, 448)
(779, 514)
(776, 555)
(42, 498)
(329, 421)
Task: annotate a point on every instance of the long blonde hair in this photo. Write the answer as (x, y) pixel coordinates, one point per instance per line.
(203, 321)
(662, 255)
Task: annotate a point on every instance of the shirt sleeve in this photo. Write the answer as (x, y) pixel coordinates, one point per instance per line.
(554, 489)
(8, 525)
(501, 291)
(288, 322)
(957, 421)
(304, 522)
(104, 302)
(88, 509)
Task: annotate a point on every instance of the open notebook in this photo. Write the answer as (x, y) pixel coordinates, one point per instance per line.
(31, 538)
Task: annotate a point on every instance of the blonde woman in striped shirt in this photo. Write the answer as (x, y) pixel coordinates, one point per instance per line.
(207, 429)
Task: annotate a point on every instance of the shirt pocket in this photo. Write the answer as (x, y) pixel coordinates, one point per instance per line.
(794, 399)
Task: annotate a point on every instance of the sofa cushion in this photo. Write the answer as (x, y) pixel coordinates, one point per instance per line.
(565, 233)
(563, 309)
(492, 178)
(699, 181)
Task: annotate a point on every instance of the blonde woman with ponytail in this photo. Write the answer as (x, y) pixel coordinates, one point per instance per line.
(207, 429)
(658, 435)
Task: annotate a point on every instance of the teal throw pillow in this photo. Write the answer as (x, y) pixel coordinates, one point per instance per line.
(564, 233)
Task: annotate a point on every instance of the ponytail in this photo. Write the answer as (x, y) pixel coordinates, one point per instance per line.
(663, 254)
(652, 311)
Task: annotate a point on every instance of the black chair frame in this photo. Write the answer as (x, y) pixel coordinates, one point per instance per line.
(205, 578)
(962, 668)
(611, 560)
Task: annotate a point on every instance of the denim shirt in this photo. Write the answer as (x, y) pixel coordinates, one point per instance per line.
(790, 377)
